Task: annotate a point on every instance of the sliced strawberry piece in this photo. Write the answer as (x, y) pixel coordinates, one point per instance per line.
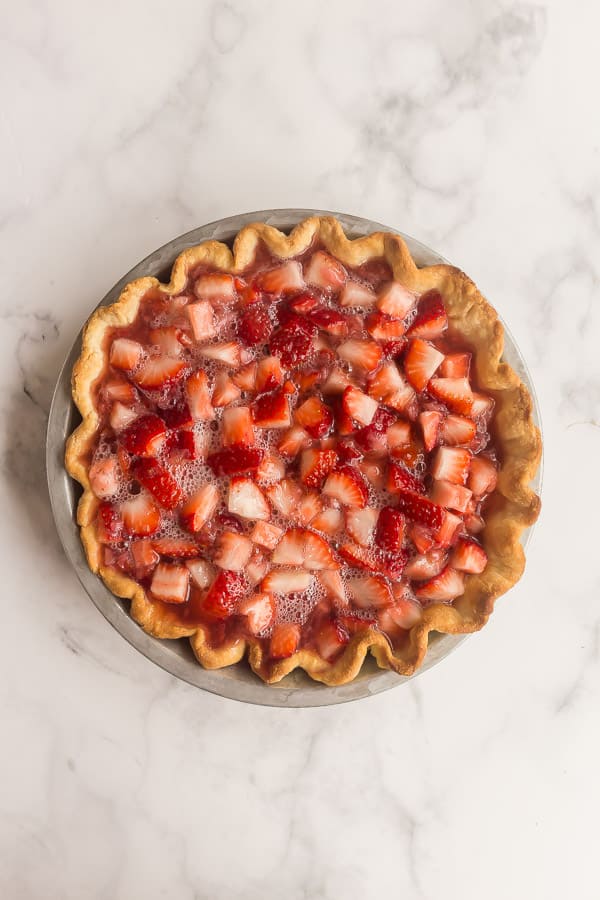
(201, 571)
(317, 553)
(403, 615)
(315, 465)
(178, 547)
(330, 320)
(216, 286)
(190, 444)
(259, 610)
(247, 500)
(456, 365)
(271, 410)
(333, 585)
(400, 479)
(237, 427)
(202, 320)
(448, 530)
(225, 391)
(360, 557)
(390, 529)
(373, 438)
(290, 550)
(347, 486)
(431, 320)
(347, 451)
(373, 470)
(421, 537)
(198, 397)
(119, 389)
(454, 392)
(355, 294)
(287, 581)
(266, 535)
(309, 506)
(482, 405)
(285, 497)
(392, 564)
(257, 568)
(314, 416)
(269, 374)
(292, 441)
(169, 339)
(170, 583)
(408, 455)
(145, 557)
(430, 422)
(159, 481)
(125, 354)
(255, 325)
(328, 520)
(362, 354)
(293, 341)
(271, 469)
(284, 279)
(104, 477)
(358, 624)
(399, 434)
(325, 272)
(360, 524)
(178, 416)
(395, 300)
(224, 595)
(469, 556)
(451, 464)
(420, 509)
(421, 361)
(452, 496)
(245, 378)
(304, 303)
(285, 640)
(390, 387)
(159, 371)
(368, 591)
(228, 353)
(383, 327)
(483, 476)
(426, 566)
(448, 585)
(233, 551)
(474, 523)
(235, 460)
(359, 406)
(336, 382)
(109, 524)
(200, 508)
(457, 430)
(141, 516)
(308, 379)
(331, 638)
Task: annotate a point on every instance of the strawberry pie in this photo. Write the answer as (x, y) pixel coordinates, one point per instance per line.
(301, 450)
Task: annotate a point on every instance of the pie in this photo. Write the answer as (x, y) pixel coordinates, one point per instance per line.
(301, 450)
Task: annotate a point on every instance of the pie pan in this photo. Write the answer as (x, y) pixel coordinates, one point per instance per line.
(236, 682)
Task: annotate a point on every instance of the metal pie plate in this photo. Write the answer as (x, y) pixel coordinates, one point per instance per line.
(237, 682)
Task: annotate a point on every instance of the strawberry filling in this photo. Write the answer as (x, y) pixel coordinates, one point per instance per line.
(293, 455)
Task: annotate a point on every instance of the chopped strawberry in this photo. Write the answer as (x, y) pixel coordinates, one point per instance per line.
(304, 303)
(145, 557)
(408, 454)
(482, 405)
(383, 327)
(158, 480)
(233, 551)
(347, 451)
(420, 509)
(431, 319)
(469, 556)
(201, 571)
(393, 564)
(237, 428)
(430, 421)
(266, 535)
(457, 430)
(202, 320)
(421, 537)
(369, 590)
(224, 594)
(225, 391)
(448, 530)
(293, 342)
(332, 584)
(125, 354)
(421, 362)
(474, 523)
(330, 320)
(390, 529)
(454, 392)
(483, 476)
(389, 386)
(259, 610)
(215, 286)
(168, 340)
(308, 379)
(290, 550)
(285, 497)
(271, 469)
(141, 516)
(347, 486)
(284, 279)
(178, 416)
(227, 353)
(245, 378)
(179, 548)
(190, 444)
(373, 438)
(398, 434)
(120, 389)
(109, 524)
(315, 465)
(395, 300)
(285, 640)
(452, 496)
(299, 547)
(325, 272)
(403, 615)
(400, 479)
(200, 507)
(309, 506)
(271, 410)
(287, 581)
(359, 406)
(235, 460)
(317, 553)
(292, 441)
(448, 585)
(360, 557)
(247, 500)
(336, 382)
(198, 397)
(170, 583)
(373, 470)
(356, 294)
(330, 638)
(329, 520)
(364, 355)
(393, 348)
(269, 374)
(427, 565)
(314, 416)
(257, 568)
(159, 371)
(360, 524)
(255, 326)
(358, 624)
(456, 365)
(451, 464)
(104, 477)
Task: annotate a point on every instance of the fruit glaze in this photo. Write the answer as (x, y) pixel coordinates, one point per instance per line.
(292, 455)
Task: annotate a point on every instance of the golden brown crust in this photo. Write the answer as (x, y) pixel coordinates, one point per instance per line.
(512, 508)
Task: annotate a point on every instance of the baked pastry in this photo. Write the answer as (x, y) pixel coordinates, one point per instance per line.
(303, 449)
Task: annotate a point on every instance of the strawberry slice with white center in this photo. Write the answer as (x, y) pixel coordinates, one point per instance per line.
(373, 470)
(257, 568)
(368, 591)
(448, 530)
(456, 365)
(310, 505)
(483, 476)
(361, 557)
(359, 406)
(201, 571)
(451, 464)
(452, 496)
(145, 436)
(293, 441)
(336, 382)
(360, 524)
(454, 392)
(400, 479)
(247, 500)
(331, 637)
(290, 550)
(347, 486)
(304, 303)
(390, 387)
(167, 340)
(285, 497)
(269, 374)
(284, 279)
(469, 556)
(329, 320)
(356, 294)
(202, 320)
(141, 515)
(225, 391)
(430, 422)
(426, 565)
(395, 300)
(126, 354)
(266, 535)
(224, 595)
(233, 551)
(170, 583)
(315, 465)
(198, 397)
(420, 509)
(285, 640)
(159, 371)
(237, 427)
(228, 353)
(317, 553)
(272, 410)
(474, 523)
(421, 537)
(333, 585)
(119, 389)
(159, 481)
(299, 547)
(217, 287)
(176, 547)
(448, 585)
(363, 355)
(121, 416)
(287, 581)
(457, 430)
(245, 378)
(330, 520)
(325, 272)
(482, 405)
(259, 610)
(398, 434)
(431, 320)
(314, 416)
(390, 530)
(421, 362)
(404, 614)
(145, 558)
(104, 477)
(200, 508)
(384, 328)
(271, 469)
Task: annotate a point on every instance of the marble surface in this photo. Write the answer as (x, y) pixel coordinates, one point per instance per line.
(472, 126)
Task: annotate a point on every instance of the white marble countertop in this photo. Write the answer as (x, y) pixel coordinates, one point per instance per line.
(472, 126)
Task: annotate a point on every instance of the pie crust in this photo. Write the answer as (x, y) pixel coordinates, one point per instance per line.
(511, 508)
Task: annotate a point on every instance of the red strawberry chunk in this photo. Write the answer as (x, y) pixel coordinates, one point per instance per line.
(421, 537)
(198, 397)
(109, 524)
(469, 556)
(355, 294)
(228, 353)
(390, 529)
(447, 533)
(482, 405)
(201, 571)
(255, 326)
(347, 451)
(454, 392)
(120, 389)
(245, 378)
(269, 374)
(266, 535)
(373, 437)
(398, 435)
(216, 286)
(431, 319)
(314, 416)
(177, 548)
(333, 585)
(364, 355)
(347, 486)
(456, 365)
(121, 416)
(233, 551)
(358, 405)
(285, 497)
(237, 427)
(395, 300)
(457, 430)
(329, 520)
(271, 469)
(125, 354)
(292, 441)
(400, 479)
(285, 640)
(235, 460)
(104, 477)
(271, 410)
(159, 481)
(224, 595)
(448, 585)
(247, 500)
(304, 303)
(259, 610)
(325, 272)
(145, 436)
(159, 371)
(170, 583)
(200, 508)
(330, 638)
(368, 591)
(330, 320)
(430, 422)
(225, 391)
(452, 496)
(361, 557)
(293, 343)
(287, 581)
(427, 565)
(421, 362)
(384, 328)
(483, 476)
(451, 464)
(315, 465)
(390, 387)
(284, 279)
(360, 524)
(141, 516)
(145, 557)
(202, 320)
(420, 509)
